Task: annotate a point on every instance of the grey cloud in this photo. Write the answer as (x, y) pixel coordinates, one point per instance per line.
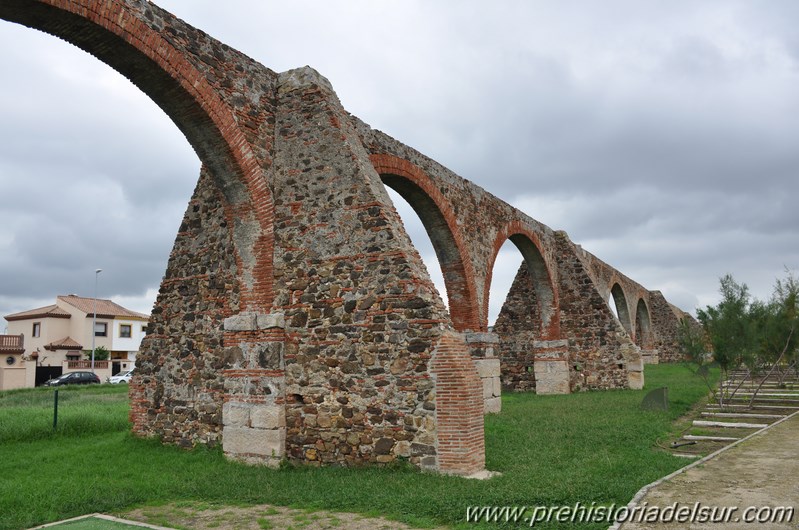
(663, 141)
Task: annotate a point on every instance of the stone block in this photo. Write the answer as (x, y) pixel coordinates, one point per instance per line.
(497, 386)
(242, 322)
(635, 380)
(488, 388)
(550, 344)
(403, 448)
(263, 442)
(236, 414)
(485, 338)
(493, 405)
(635, 366)
(271, 320)
(650, 356)
(487, 367)
(268, 416)
(551, 377)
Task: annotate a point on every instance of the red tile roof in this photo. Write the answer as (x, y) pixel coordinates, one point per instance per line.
(42, 312)
(105, 308)
(67, 343)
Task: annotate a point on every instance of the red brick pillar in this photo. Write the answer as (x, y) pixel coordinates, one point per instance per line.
(459, 408)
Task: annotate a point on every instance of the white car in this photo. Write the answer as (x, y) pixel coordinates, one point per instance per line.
(121, 378)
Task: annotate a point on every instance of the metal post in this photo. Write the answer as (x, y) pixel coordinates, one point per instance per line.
(94, 313)
(55, 409)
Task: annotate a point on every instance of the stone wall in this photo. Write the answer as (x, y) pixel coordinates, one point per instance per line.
(601, 353)
(178, 390)
(364, 323)
(666, 320)
(519, 327)
(295, 319)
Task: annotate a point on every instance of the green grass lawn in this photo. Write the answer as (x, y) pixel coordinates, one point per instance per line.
(591, 447)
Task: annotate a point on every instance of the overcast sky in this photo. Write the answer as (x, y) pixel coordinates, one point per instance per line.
(662, 136)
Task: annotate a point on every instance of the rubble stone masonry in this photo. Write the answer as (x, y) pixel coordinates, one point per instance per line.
(295, 320)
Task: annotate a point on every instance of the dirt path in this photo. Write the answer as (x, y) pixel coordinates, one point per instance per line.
(762, 471)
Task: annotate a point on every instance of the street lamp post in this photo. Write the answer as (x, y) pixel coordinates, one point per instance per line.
(94, 313)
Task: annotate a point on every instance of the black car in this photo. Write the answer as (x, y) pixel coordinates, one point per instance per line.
(74, 378)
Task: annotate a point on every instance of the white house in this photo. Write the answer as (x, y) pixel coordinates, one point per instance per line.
(58, 339)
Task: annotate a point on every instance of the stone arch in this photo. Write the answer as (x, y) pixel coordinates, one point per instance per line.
(546, 295)
(643, 326)
(438, 218)
(532, 358)
(622, 311)
(117, 34)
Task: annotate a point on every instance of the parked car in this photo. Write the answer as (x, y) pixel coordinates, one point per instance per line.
(121, 378)
(74, 378)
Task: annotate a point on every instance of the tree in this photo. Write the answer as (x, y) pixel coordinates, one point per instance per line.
(730, 330)
(694, 346)
(101, 353)
(778, 338)
(759, 337)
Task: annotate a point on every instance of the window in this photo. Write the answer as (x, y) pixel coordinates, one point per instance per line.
(37, 329)
(144, 328)
(101, 329)
(125, 331)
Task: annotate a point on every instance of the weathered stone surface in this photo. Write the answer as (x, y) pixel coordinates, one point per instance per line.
(487, 367)
(552, 377)
(236, 414)
(268, 416)
(636, 380)
(241, 322)
(247, 441)
(271, 320)
(489, 338)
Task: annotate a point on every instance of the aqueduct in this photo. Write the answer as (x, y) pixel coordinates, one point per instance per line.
(295, 318)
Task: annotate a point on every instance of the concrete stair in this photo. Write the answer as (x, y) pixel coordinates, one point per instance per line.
(720, 426)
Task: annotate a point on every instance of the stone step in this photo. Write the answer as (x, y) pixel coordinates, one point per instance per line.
(743, 415)
(759, 399)
(769, 381)
(768, 394)
(746, 384)
(763, 387)
(710, 438)
(729, 424)
(757, 381)
(775, 407)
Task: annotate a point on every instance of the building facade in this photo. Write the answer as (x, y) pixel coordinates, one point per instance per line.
(58, 338)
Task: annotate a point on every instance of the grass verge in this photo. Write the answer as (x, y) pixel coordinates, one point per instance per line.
(591, 447)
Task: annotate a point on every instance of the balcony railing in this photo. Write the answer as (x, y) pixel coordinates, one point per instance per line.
(87, 365)
(11, 342)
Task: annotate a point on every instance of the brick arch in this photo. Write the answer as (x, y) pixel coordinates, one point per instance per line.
(643, 325)
(622, 308)
(439, 220)
(114, 33)
(530, 246)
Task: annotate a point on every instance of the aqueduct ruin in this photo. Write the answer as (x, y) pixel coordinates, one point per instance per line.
(295, 318)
